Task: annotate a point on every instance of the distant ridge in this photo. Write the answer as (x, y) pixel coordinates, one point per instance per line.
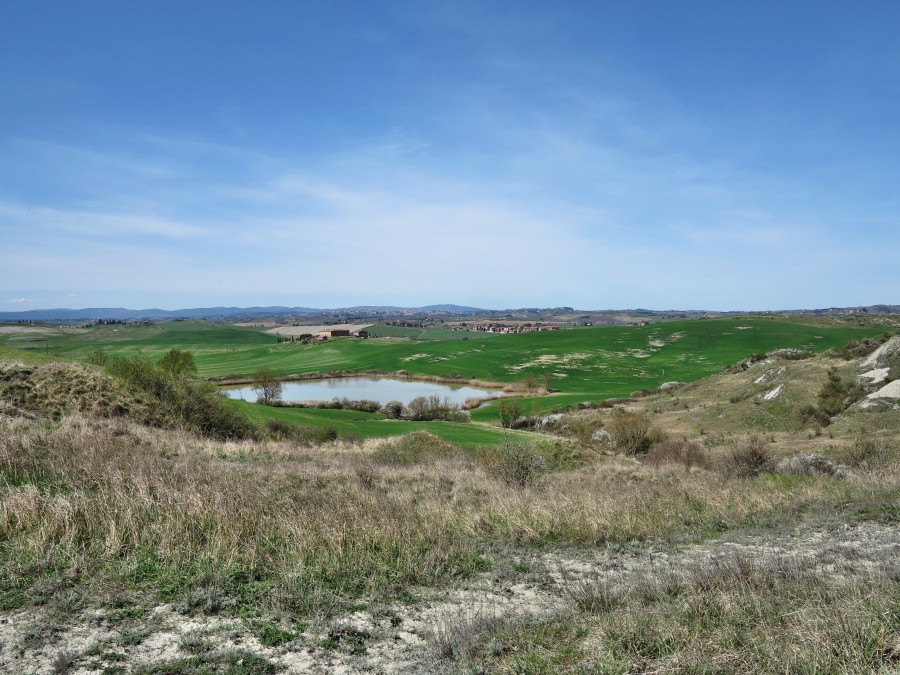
(121, 313)
(124, 314)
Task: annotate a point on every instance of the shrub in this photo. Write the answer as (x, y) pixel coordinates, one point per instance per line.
(319, 435)
(393, 409)
(182, 401)
(856, 349)
(810, 414)
(837, 395)
(98, 357)
(519, 464)
(632, 433)
(281, 429)
(678, 451)
(510, 411)
(178, 363)
(749, 458)
(869, 453)
(413, 448)
(894, 372)
(427, 408)
(345, 403)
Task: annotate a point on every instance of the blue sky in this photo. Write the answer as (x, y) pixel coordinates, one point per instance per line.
(718, 155)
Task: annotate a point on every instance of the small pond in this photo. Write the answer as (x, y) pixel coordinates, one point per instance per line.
(382, 389)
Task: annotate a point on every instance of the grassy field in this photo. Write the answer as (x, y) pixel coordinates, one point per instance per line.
(146, 546)
(584, 364)
(354, 424)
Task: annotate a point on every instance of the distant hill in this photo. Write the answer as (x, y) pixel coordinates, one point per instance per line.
(235, 313)
(94, 313)
(456, 309)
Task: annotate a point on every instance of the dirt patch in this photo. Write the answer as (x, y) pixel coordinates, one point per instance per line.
(14, 330)
(890, 390)
(572, 360)
(404, 637)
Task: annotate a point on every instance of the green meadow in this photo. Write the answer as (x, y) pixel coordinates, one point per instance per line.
(581, 364)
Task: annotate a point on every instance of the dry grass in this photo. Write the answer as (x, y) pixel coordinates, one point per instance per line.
(749, 457)
(689, 454)
(733, 614)
(299, 528)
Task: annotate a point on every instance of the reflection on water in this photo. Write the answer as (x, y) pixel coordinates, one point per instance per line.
(369, 388)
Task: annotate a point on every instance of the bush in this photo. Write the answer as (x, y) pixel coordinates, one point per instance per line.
(510, 411)
(98, 357)
(856, 349)
(810, 414)
(869, 453)
(680, 451)
(749, 458)
(427, 408)
(346, 404)
(282, 430)
(393, 409)
(632, 433)
(413, 448)
(519, 464)
(838, 394)
(178, 363)
(318, 435)
(181, 401)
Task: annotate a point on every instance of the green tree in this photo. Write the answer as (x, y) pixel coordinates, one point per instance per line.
(266, 386)
(178, 363)
(510, 411)
(98, 357)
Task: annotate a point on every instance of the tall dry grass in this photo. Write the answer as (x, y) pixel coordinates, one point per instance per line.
(303, 528)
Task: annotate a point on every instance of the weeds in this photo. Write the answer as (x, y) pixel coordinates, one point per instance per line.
(466, 636)
(413, 448)
(519, 464)
(749, 458)
(632, 433)
(870, 453)
(690, 454)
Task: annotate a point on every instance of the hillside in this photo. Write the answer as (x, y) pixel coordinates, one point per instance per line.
(166, 549)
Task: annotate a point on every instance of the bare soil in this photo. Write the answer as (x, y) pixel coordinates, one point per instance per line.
(405, 637)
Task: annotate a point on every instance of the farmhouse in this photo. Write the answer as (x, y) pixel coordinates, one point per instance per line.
(338, 332)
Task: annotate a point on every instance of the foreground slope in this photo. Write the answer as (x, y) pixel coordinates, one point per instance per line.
(157, 550)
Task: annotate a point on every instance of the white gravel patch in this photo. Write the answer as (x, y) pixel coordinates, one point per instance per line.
(890, 347)
(774, 393)
(890, 390)
(877, 375)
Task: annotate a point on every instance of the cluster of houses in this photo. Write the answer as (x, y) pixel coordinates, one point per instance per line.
(325, 335)
(507, 329)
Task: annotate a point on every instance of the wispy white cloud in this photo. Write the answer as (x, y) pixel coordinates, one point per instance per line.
(95, 223)
(19, 301)
(591, 205)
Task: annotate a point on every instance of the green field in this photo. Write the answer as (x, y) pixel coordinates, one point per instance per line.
(583, 364)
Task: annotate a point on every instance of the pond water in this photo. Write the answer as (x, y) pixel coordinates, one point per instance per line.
(382, 389)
